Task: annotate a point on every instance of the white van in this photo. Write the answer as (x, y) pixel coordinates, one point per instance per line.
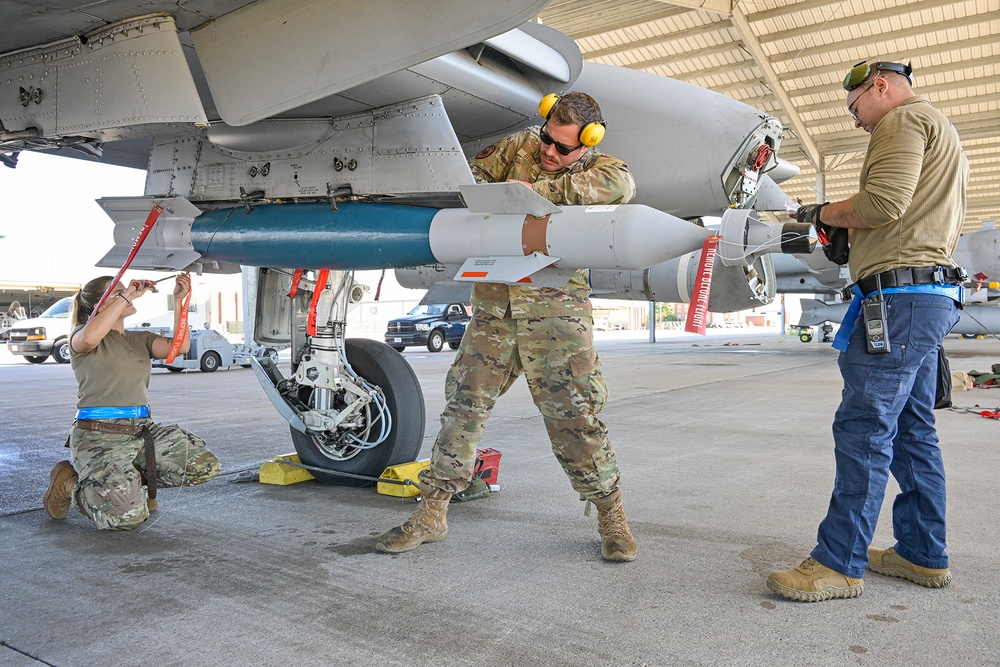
(47, 334)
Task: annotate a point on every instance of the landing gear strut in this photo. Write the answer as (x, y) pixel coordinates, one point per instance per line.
(353, 405)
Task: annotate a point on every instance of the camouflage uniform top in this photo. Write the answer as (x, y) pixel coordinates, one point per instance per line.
(116, 372)
(595, 178)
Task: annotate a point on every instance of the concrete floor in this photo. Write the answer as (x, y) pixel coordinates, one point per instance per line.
(727, 464)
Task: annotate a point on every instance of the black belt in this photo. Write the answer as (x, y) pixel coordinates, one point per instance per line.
(917, 275)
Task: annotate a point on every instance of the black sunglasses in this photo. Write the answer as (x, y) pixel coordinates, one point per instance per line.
(549, 141)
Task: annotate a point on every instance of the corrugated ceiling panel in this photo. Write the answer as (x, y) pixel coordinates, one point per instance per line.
(810, 44)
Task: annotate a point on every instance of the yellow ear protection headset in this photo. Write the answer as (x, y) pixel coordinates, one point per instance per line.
(591, 133)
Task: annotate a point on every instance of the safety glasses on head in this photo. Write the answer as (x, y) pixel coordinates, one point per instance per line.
(853, 108)
(863, 70)
(549, 141)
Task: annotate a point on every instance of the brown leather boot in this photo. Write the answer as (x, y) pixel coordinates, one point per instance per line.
(58, 496)
(428, 524)
(616, 538)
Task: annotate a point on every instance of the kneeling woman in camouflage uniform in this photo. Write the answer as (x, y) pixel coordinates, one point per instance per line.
(108, 445)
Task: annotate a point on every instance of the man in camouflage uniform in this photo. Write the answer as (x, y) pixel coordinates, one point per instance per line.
(546, 333)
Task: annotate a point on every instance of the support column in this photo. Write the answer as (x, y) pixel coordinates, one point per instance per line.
(821, 181)
(652, 321)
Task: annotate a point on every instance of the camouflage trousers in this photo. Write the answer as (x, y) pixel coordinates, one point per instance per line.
(110, 490)
(558, 359)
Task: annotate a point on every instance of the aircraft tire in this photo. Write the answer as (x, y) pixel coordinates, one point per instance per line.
(377, 363)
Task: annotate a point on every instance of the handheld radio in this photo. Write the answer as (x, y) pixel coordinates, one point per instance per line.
(876, 322)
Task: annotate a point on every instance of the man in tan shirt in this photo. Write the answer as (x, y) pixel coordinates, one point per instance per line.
(904, 225)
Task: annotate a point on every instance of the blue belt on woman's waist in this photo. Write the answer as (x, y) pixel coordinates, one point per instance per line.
(956, 292)
(125, 412)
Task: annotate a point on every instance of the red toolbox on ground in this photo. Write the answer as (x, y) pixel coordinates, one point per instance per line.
(487, 464)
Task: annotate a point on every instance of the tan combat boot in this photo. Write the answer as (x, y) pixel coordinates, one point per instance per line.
(891, 564)
(428, 524)
(616, 538)
(62, 480)
(812, 581)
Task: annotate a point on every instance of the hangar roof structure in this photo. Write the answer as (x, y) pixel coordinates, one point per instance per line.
(789, 58)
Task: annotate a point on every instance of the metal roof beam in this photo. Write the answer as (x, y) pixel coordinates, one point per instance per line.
(722, 69)
(750, 41)
(690, 55)
(695, 31)
(988, 202)
(741, 85)
(961, 86)
(880, 38)
(856, 19)
(790, 8)
(948, 68)
(608, 20)
(941, 105)
(724, 7)
(914, 54)
(985, 126)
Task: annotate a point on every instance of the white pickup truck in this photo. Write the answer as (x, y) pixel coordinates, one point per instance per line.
(48, 334)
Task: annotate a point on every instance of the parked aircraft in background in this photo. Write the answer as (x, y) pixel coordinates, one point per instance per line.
(309, 140)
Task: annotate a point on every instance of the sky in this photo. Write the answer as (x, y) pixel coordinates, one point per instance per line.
(54, 231)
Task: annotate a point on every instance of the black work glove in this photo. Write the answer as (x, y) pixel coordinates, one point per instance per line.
(836, 248)
(810, 214)
(833, 239)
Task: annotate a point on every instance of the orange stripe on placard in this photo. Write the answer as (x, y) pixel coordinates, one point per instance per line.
(526, 279)
(475, 274)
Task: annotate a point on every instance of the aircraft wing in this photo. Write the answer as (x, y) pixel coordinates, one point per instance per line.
(85, 76)
(254, 106)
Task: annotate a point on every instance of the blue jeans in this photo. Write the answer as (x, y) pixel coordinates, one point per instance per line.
(885, 424)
